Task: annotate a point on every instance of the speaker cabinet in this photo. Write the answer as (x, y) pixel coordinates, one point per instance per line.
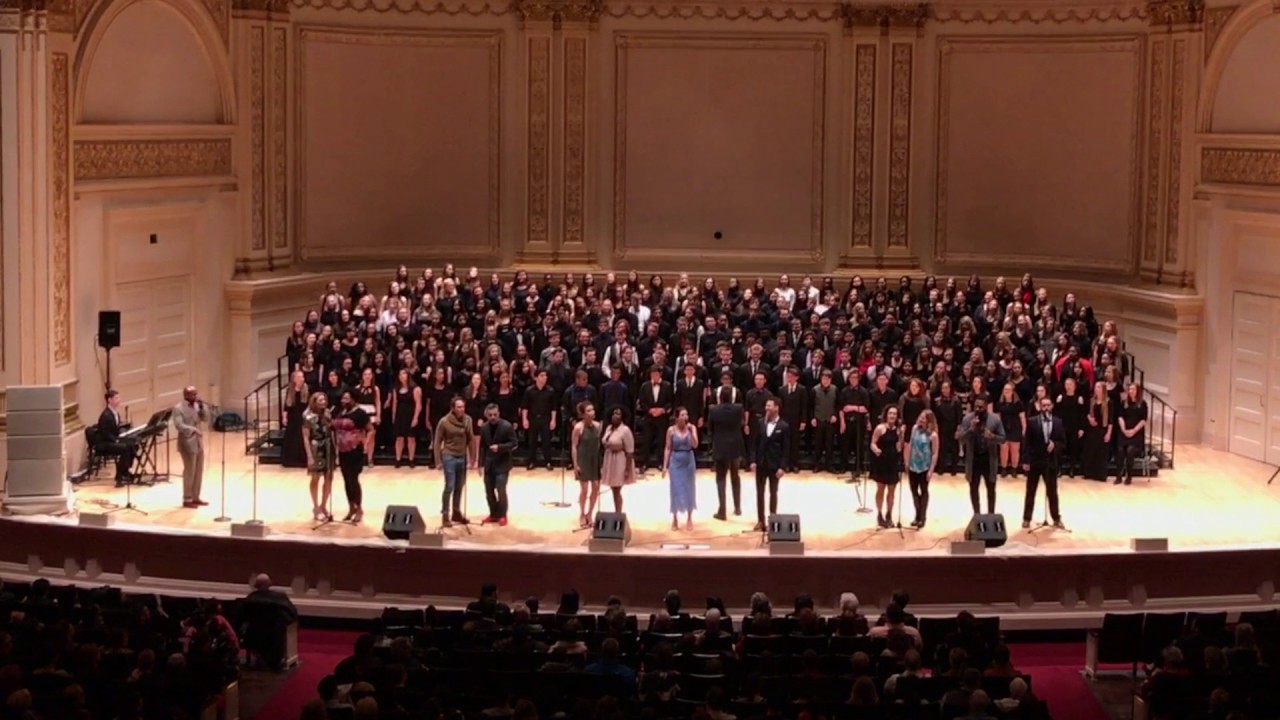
(609, 533)
(401, 521)
(987, 529)
(784, 535)
(109, 329)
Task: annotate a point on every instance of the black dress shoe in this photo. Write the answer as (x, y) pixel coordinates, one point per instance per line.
(720, 516)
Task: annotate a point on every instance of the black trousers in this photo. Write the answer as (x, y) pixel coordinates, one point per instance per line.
(797, 436)
(1128, 451)
(495, 491)
(1049, 474)
(729, 468)
(853, 445)
(125, 453)
(652, 442)
(766, 477)
(1071, 452)
(824, 445)
(919, 493)
(982, 472)
(948, 450)
(538, 435)
(351, 463)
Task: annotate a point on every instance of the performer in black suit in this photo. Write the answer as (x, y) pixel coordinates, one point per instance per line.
(1042, 443)
(655, 401)
(110, 425)
(727, 446)
(795, 410)
(768, 456)
(497, 441)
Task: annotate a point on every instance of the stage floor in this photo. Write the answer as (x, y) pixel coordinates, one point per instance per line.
(1212, 500)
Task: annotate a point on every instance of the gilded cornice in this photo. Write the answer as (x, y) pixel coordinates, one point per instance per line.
(1169, 13)
(886, 16)
(1239, 166)
(1215, 19)
(139, 159)
(256, 6)
(557, 11)
(1037, 13)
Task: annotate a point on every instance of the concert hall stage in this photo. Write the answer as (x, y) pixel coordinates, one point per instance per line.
(1216, 510)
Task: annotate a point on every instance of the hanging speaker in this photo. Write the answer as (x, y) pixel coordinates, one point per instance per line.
(109, 329)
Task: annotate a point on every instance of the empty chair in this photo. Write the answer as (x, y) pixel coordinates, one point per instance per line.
(1119, 641)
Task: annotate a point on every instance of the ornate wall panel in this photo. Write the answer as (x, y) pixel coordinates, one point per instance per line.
(1156, 123)
(1230, 166)
(150, 159)
(278, 161)
(257, 136)
(539, 142)
(1214, 20)
(900, 144)
(1173, 205)
(751, 169)
(416, 172)
(1028, 170)
(575, 145)
(60, 226)
(864, 138)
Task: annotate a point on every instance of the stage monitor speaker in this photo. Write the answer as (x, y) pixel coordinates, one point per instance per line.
(987, 528)
(401, 521)
(784, 535)
(108, 329)
(609, 533)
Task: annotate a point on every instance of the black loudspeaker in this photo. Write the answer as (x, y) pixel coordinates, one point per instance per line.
(108, 329)
(611, 526)
(401, 521)
(988, 529)
(784, 528)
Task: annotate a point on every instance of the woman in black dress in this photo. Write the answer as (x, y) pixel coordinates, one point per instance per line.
(1132, 423)
(334, 387)
(368, 397)
(1013, 414)
(913, 402)
(406, 413)
(476, 396)
(1097, 435)
(293, 454)
(886, 457)
(948, 411)
(507, 399)
(1071, 407)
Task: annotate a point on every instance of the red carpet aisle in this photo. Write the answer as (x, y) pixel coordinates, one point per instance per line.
(1055, 668)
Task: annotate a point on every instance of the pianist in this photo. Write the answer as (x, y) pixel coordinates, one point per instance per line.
(110, 427)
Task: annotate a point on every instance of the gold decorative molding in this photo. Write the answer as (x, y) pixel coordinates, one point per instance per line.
(59, 173)
(1173, 203)
(886, 16)
(900, 144)
(734, 10)
(278, 101)
(1175, 12)
(575, 140)
(1054, 13)
(624, 43)
(220, 11)
(1240, 166)
(1155, 147)
(1214, 20)
(491, 43)
(947, 48)
(539, 140)
(464, 8)
(258, 6)
(864, 139)
(257, 137)
(139, 159)
(558, 12)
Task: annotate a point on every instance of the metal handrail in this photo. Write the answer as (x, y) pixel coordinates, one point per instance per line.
(1162, 416)
(256, 427)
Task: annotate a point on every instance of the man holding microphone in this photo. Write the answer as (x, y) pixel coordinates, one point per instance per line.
(188, 415)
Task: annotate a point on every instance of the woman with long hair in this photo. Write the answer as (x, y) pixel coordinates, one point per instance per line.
(886, 455)
(368, 397)
(1071, 407)
(318, 438)
(618, 468)
(1013, 413)
(679, 460)
(1132, 422)
(921, 459)
(947, 413)
(1097, 434)
(296, 397)
(587, 455)
(406, 413)
(476, 396)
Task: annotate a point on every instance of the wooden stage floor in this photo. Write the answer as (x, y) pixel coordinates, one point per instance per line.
(1212, 500)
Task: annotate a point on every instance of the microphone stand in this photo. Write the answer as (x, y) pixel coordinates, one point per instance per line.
(255, 520)
(565, 453)
(222, 516)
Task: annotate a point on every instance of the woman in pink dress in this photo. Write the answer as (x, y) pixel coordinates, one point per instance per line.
(618, 467)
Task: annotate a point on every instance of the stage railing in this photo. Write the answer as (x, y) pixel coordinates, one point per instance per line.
(1162, 417)
(263, 407)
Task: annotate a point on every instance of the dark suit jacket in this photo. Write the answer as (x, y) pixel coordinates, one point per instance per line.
(108, 428)
(1034, 443)
(794, 405)
(691, 398)
(645, 401)
(769, 451)
(725, 421)
(502, 434)
(270, 605)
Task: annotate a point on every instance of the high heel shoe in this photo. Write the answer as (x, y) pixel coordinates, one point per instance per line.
(358, 516)
(317, 513)
(350, 514)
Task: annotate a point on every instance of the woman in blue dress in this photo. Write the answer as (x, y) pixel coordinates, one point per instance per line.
(682, 438)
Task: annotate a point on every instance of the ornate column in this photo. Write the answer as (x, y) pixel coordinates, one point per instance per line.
(884, 39)
(1173, 67)
(538, 19)
(260, 40)
(573, 43)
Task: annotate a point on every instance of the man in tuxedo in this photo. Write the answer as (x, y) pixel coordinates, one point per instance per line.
(795, 411)
(981, 433)
(691, 394)
(754, 364)
(854, 411)
(110, 426)
(655, 402)
(266, 615)
(1041, 444)
(727, 446)
(497, 441)
(768, 456)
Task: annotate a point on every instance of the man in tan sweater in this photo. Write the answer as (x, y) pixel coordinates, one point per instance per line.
(452, 444)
